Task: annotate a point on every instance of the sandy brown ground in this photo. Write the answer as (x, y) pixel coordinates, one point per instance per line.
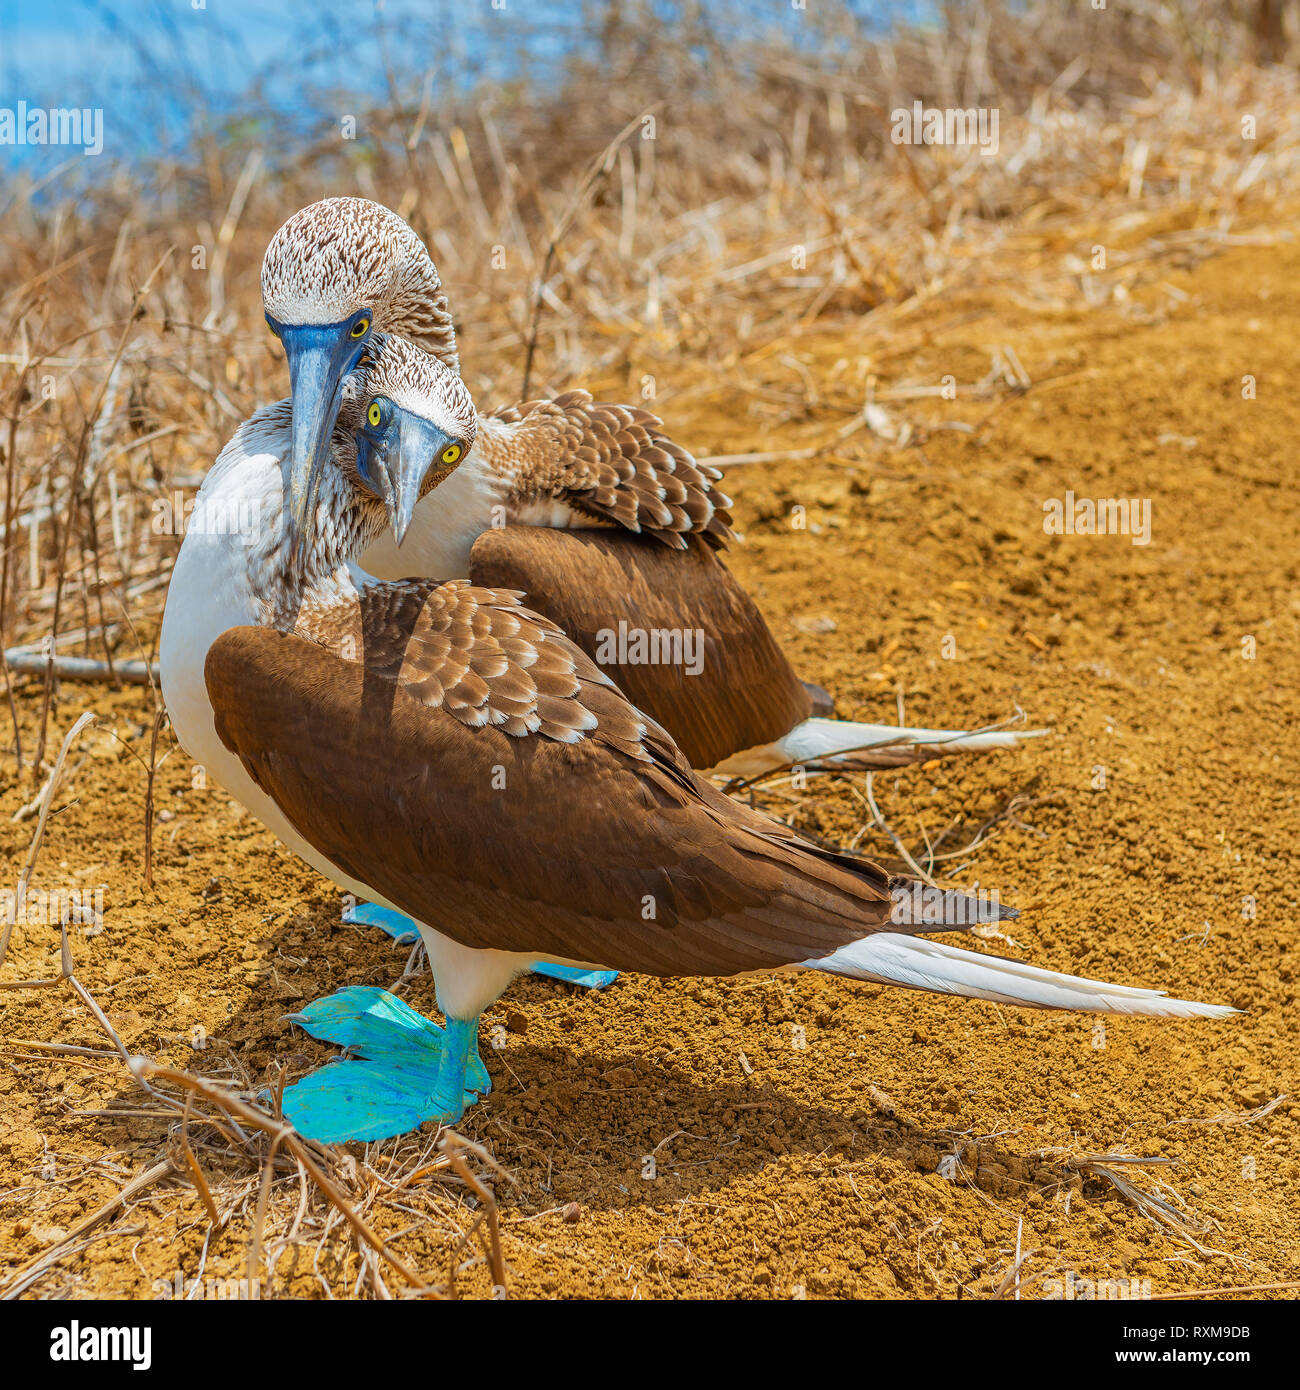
(814, 1169)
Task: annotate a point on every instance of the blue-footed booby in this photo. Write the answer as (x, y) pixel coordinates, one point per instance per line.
(444, 751)
(610, 528)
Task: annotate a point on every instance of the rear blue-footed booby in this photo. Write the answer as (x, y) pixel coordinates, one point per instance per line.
(610, 528)
(442, 750)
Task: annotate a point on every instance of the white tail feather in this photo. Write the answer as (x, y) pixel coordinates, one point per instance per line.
(916, 962)
(866, 745)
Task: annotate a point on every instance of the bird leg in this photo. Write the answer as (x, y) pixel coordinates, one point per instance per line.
(449, 1096)
(402, 929)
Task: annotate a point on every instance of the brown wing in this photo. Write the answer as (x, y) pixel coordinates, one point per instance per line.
(725, 686)
(413, 770)
(612, 463)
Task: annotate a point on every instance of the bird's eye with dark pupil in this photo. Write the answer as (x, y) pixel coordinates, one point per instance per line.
(374, 415)
(360, 328)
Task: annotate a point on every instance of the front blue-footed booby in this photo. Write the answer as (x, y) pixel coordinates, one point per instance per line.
(609, 527)
(442, 750)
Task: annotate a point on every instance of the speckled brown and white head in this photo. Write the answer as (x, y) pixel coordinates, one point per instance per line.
(336, 273)
(345, 256)
(412, 420)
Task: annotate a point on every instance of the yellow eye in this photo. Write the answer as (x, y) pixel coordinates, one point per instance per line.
(374, 414)
(275, 332)
(451, 453)
(360, 328)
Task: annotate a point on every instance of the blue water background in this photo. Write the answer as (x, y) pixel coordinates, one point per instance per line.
(167, 72)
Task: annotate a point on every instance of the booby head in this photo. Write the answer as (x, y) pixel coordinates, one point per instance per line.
(412, 421)
(338, 272)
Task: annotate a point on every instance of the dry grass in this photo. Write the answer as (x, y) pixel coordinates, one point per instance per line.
(255, 1150)
(593, 235)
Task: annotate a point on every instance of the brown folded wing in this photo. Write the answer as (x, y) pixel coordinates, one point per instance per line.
(724, 686)
(467, 763)
(612, 463)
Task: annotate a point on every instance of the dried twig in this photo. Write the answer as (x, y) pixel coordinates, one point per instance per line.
(81, 668)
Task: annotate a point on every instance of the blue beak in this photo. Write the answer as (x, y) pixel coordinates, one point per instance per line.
(320, 356)
(395, 465)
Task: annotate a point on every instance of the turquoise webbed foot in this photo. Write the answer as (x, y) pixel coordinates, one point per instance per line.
(407, 1070)
(576, 974)
(357, 1099)
(402, 929)
(397, 924)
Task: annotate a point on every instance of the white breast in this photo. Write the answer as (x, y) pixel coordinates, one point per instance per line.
(211, 591)
(444, 528)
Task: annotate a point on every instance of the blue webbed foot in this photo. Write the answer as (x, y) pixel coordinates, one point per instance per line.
(397, 924)
(407, 1070)
(358, 1099)
(576, 974)
(371, 1021)
(402, 929)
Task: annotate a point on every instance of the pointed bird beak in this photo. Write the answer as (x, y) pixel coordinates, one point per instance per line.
(320, 356)
(419, 445)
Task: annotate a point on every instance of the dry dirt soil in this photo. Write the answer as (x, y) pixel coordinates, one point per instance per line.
(914, 1141)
